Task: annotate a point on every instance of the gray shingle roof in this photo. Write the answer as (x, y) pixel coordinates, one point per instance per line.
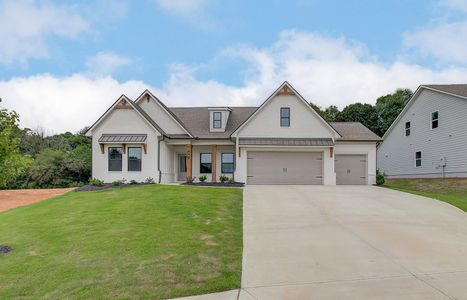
(123, 138)
(457, 89)
(286, 141)
(196, 120)
(354, 131)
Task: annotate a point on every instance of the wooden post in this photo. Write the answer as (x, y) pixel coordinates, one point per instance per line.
(189, 164)
(123, 148)
(102, 148)
(214, 163)
(331, 151)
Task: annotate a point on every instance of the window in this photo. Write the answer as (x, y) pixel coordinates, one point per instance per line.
(434, 120)
(115, 158)
(407, 128)
(217, 120)
(227, 163)
(285, 117)
(134, 159)
(418, 159)
(205, 165)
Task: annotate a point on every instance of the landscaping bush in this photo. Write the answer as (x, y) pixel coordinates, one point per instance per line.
(119, 182)
(133, 181)
(223, 178)
(190, 179)
(96, 182)
(149, 180)
(202, 178)
(380, 179)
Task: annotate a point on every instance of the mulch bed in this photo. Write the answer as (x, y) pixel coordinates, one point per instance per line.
(88, 187)
(4, 249)
(216, 184)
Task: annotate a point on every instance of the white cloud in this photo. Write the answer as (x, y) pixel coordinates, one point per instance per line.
(324, 70)
(25, 26)
(63, 104)
(106, 63)
(445, 38)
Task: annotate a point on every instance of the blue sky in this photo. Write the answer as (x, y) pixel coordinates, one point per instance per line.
(63, 62)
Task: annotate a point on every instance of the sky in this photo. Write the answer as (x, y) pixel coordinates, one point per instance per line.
(63, 63)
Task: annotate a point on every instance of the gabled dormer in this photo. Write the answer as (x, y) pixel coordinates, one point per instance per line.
(218, 118)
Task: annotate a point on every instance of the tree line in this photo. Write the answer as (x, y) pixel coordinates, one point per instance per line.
(31, 159)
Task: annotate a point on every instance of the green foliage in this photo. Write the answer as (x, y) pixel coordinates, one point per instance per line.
(96, 182)
(12, 163)
(119, 182)
(331, 113)
(363, 113)
(389, 107)
(50, 168)
(149, 180)
(133, 181)
(190, 179)
(223, 178)
(202, 178)
(380, 179)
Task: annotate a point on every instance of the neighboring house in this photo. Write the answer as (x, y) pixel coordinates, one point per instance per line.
(284, 141)
(429, 137)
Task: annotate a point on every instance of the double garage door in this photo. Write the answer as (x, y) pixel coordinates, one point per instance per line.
(285, 168)
(302, 168)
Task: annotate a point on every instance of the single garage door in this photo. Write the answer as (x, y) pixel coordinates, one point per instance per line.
(285, 167)
(350, 169)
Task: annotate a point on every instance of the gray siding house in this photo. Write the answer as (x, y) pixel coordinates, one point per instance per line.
(429, 137)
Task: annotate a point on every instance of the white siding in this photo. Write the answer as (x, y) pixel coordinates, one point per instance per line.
(124, 121)
(396, 155)
(304, 123)
(163, 119)
(368, 149)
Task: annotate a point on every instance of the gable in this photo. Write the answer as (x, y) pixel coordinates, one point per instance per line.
(160, 114)
(304, 120)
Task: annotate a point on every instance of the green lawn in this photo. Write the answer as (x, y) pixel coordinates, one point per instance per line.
(450, 190)
(148, 242)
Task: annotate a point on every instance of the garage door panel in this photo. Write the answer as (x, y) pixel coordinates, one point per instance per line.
(351, 169)
(284, 168)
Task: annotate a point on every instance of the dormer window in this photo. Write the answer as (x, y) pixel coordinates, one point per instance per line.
(217, 120)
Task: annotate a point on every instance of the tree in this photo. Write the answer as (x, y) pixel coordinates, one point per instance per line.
(332, 113)
(12, 163)
(390, 106)
(363, 113)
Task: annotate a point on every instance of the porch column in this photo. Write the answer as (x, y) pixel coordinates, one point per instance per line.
(189, 164)
(214, 163)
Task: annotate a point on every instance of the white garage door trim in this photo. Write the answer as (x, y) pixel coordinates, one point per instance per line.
(351, 169)
(285, 167)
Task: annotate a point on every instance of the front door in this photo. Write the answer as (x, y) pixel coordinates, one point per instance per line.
(181, 174)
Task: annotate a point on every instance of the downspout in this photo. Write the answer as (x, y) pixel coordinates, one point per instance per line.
(159, 140)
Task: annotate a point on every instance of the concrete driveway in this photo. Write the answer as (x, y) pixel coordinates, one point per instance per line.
(344, 242)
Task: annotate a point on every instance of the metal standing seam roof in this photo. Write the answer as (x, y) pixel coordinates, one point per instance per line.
(286, 141)
(123, 138)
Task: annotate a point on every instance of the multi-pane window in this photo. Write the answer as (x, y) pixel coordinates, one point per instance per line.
(227, 163)
(134, 158)
(418, 159)
(434, 120)
(407, 128)
(285, 116)
(205, 165)
(115, 158)
(217, 120)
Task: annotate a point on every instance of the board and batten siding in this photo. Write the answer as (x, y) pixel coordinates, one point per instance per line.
(396, 155)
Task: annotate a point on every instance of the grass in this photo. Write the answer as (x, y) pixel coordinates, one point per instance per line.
(148, 242)
(450, 190)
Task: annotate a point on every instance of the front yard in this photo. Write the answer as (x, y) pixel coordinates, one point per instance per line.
(450, 190)
(139, 242)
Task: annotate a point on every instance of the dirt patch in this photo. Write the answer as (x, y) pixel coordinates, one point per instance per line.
(208, 239)
(456, 185)
(13, 198)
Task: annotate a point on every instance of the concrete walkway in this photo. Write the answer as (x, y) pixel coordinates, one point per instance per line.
(343, 242)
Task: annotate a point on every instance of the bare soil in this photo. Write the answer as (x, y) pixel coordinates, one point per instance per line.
(13, 198)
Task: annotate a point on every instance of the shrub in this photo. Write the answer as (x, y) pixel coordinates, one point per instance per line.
(380, 179)
(223, 178)
(96, 182)
(190, 179)
(133, 181)
(231, 180)
(119, 182)
(202, 178)
(149, 180)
